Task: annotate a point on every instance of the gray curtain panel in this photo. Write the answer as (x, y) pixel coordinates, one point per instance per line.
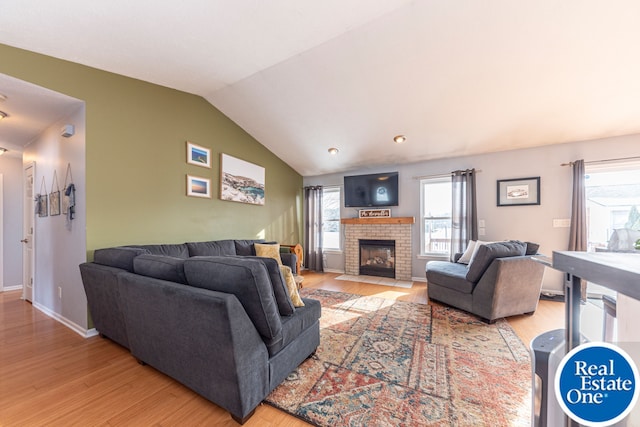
(464, 216)
(313, 228)
(578, 230)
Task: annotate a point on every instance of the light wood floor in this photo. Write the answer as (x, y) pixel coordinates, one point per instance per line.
(50, 376)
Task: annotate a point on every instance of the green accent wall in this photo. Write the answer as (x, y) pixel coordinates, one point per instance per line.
(136, 160)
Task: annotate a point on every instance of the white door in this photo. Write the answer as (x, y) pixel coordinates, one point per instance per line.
(29, 214)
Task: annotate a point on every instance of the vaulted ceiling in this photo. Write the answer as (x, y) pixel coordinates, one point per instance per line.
(457, 78)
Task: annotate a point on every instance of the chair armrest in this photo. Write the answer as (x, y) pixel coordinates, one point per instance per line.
(509, 285)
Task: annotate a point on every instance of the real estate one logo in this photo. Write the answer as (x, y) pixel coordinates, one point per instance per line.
(596, 384)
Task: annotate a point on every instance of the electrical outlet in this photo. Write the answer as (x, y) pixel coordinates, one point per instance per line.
(481, 223)
(60, 292)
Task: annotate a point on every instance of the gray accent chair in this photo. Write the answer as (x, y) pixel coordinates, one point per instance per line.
(223, 326)
(500, 281)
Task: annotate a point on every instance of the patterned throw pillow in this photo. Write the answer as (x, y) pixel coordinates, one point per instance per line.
(268, 251)
(292, 287)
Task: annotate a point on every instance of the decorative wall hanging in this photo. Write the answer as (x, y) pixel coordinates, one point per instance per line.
(54, 197)
(42, 201)
(197, 155)
(198, 187)
(69, 197)
(241, 181)
(519, 192)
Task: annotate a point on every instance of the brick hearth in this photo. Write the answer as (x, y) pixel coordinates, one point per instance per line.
(397, 229)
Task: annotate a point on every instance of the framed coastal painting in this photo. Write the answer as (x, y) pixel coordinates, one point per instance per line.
(518, 192)
(198, 187)
(241, 181)
(197, 155)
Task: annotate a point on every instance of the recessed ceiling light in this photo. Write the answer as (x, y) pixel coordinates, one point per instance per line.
(2, 151)
(3, 115)
(333, 151)
(399, 139)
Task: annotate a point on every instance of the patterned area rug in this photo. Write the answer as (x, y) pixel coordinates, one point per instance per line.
(391, 363)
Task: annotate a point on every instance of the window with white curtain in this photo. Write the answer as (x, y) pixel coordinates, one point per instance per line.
(331, 218)
(435, 212)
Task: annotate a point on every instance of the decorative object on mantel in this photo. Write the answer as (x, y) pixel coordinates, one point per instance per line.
(69, 197)
(519, 191)
(42, 200)
(54, 196)
(241, 181)
(380, 220)
(374, 213)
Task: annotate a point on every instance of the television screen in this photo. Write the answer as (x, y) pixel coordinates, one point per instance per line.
(380, 189)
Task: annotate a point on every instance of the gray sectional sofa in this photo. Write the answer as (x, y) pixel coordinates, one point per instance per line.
(500, 280)
(211, 315)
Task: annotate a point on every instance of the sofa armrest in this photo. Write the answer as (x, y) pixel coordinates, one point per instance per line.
(509, 286)
(290, 260)
(201, 338)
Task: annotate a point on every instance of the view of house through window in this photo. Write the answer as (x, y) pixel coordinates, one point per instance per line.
(435, 206)
(613, 207)
(331, 218)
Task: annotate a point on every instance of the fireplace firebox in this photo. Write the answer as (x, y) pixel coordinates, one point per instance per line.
(377, 258)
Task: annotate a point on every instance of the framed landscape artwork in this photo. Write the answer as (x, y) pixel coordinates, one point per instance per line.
(518, 192)
(198, 187)
(197, 155)
(241, 181)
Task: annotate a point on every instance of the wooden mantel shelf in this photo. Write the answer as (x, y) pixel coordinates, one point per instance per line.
(379, 220)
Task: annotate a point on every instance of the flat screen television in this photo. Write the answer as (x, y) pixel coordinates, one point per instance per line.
(379, 189)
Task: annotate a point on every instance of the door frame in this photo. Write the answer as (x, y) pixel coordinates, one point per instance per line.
(28, 263)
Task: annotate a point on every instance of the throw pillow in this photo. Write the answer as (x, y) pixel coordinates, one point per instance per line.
(532, 248)
(292, 287)
(268, 251)
(466, 256)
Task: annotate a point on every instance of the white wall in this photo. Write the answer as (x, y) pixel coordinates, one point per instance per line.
(11, 169)
(60, 246)
(526, 223)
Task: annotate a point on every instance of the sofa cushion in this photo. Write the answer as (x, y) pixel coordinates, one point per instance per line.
(450, 275)
(245, 278)
(293, 326)
(160, 267)
(212, 248)
(245, 247)
(174, 250)
(120, 257)
(485, 254)
(280, 290)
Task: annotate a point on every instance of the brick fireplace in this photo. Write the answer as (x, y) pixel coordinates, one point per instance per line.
(397, 229)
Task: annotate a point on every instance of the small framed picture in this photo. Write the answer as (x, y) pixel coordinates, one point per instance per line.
(198, 187)
(197, 155)
(519, 192)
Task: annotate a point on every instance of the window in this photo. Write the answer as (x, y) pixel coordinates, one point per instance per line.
(435, 206)
(613, 206)
(331, 218)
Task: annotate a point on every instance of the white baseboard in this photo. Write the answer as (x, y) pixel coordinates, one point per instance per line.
(333, 270)
(419, 279)
(12, 288)
(66, 322)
